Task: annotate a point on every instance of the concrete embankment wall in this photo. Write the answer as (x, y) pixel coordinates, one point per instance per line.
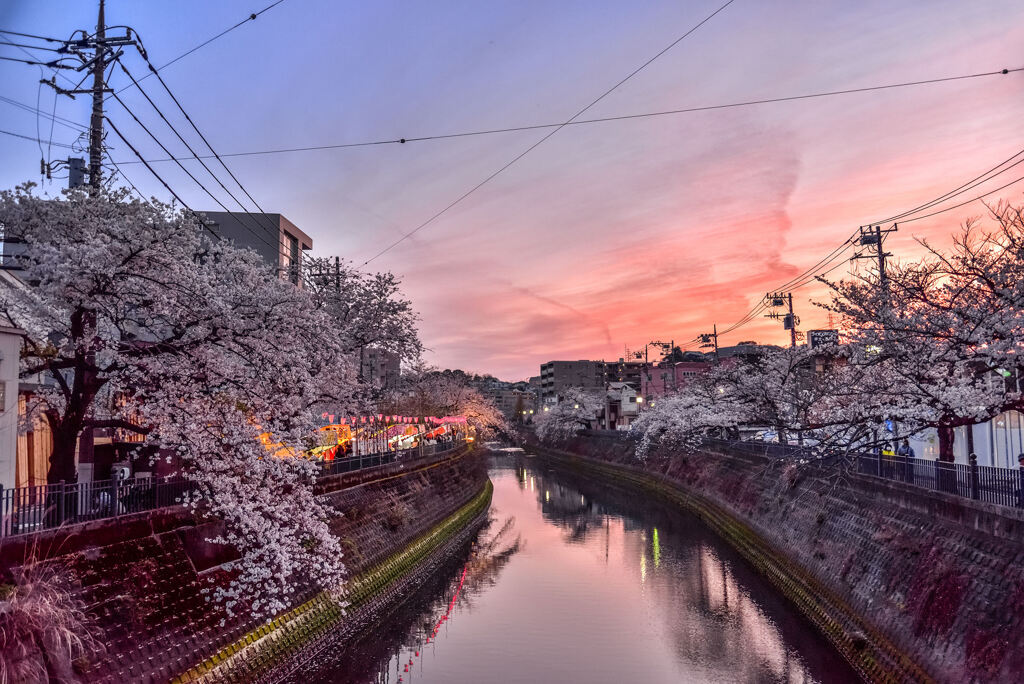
(142, 577)
(910, 585)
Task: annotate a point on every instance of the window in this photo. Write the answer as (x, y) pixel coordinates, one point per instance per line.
(290, 261)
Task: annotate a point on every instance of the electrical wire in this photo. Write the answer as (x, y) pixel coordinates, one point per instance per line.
(34, 47)
(551, 133)
(182, 166)
(961, 204)
(806, 277)
(31, 35)
(199, 219)
(50, 65)
(29, 137)
(128, 180)
(606, 119)
(248, 215)
(251, 17)
(969, 185)
(262, 215)
(68, 123)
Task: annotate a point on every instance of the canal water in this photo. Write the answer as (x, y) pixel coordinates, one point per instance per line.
(576, 580)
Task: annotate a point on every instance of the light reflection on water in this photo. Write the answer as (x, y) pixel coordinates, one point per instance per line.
(578, 582)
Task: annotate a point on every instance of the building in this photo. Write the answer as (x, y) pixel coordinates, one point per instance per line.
(516, 404)
(621, 406)
(558, 376)
(666, 378)
(10, 350)
(272, 236)
(626, 371)
(380, 368)
(745, 350)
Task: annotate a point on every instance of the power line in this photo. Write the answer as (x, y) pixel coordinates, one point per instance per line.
(50, 65)
(957, 206)
(36, 140)
(541, 141)
(182, 167)
(129, 180)
(806, 277)
(192, 123)
(969, 185)
(607, 119)
(34, 47)
(189, 147)
(31, 35)
(68, 123)
(198, 218)
(251, 17)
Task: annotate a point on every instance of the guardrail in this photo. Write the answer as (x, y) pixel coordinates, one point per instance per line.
(25, 510)
(1001, 486)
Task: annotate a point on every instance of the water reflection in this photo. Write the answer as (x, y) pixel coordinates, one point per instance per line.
(578, 581)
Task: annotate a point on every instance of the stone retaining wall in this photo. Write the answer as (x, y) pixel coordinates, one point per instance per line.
(142, 576)
(910, 585)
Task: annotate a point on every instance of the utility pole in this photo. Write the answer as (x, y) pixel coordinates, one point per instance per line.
(96, 122)
(95, 52)
(874, 236)
(711, 340)
(789, 320)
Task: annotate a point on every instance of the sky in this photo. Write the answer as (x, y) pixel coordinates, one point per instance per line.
(607, 235)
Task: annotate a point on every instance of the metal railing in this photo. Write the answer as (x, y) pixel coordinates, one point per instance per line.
(992, 484)
(25, 510)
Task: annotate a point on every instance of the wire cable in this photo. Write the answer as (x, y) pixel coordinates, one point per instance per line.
(50, 65)
(969, 185)
(29, 137)
(199, 219)
(68, 123)
(251, 17)
(606, 119)
(551, 133)
(961, 204)
(262, 214)
(31, 35)
(34, 47)
(174, 130)
(180, 165)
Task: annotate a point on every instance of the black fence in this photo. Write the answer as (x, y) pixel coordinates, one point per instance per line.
(1001, 486)
(31, 509)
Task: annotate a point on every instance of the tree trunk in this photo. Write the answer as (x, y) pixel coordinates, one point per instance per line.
(947, 435)
(62, 458)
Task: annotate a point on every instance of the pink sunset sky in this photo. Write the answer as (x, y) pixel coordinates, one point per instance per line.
(610, 234)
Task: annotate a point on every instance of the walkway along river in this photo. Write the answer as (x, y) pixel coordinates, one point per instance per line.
(577, 580)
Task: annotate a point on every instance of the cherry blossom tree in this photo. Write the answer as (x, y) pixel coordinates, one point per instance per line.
(790, 390)
(369, 310)
(941, 338)
(427, 391)
(134, 320)
(576, 410)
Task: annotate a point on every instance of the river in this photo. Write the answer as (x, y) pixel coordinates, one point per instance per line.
(576, 580)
